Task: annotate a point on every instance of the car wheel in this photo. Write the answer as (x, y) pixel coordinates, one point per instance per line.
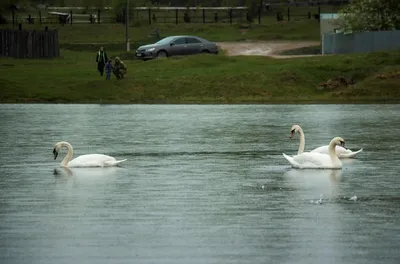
(205, 51)
(162, 54)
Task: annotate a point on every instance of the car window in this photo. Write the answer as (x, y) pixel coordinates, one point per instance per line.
(164, 40)
(193, 41)
(179, 41)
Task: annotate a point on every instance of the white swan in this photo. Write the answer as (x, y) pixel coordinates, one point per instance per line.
(314, 160)
(88, 160)
(341, 152)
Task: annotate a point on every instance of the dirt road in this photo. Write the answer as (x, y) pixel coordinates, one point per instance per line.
(265, 48)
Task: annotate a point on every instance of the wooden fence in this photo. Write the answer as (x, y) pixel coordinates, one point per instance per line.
(26, 44)
(176, 15)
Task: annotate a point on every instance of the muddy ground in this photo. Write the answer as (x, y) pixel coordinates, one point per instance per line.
(265, 48)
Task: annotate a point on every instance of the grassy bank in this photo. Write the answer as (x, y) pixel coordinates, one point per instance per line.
(205, 79)
(310, 50)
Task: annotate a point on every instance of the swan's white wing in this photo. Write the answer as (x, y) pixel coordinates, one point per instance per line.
(350, 154)
(313, 160)
(113, 162)
(291, 161)
(91, 160)
(307, 160)
(341, 152)
(325, 150)
(322, 149)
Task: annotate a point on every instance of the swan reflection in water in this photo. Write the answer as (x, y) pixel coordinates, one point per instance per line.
(315, 182)
(86, 175)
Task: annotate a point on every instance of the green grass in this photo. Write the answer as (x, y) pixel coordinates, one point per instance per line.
(202, 79)
(303, 51)
(197, 79)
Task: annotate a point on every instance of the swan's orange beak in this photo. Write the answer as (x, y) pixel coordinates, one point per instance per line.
(55, 153)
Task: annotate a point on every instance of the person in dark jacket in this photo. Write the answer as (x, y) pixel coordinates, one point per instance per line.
(119, 68)
(101, 60)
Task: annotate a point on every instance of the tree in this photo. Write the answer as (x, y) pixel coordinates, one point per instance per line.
(370, 15)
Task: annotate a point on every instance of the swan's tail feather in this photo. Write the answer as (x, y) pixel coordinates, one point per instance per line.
(351, 154)
(291, 160)
(287, 157)
(114, 163)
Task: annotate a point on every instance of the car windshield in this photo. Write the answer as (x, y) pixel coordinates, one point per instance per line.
(165, 40)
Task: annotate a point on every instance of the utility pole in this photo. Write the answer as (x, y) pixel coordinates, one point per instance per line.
(128, 44)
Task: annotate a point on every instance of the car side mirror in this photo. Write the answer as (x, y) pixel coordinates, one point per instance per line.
(172, 44)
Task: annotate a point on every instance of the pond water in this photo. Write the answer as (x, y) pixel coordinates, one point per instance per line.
(201, 184)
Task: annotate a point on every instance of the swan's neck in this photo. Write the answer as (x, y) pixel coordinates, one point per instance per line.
(332, 153)
(302, 142)
(68, 157)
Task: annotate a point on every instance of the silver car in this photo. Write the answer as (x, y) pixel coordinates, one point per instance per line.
(176, 45)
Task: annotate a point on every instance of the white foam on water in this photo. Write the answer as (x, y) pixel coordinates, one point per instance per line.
(354, 198)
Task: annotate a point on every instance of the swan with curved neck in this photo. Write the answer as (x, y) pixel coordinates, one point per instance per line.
(88, 160)
(297, 128)
(341, 152)
(308, 160)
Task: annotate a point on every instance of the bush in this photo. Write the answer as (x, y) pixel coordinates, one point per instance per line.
(3, 20)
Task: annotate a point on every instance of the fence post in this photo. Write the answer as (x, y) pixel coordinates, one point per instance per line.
(13, 16)
(46, 44)
(19, 44)
(1, 42)
(19, 26)
(176, 16)
(319, 13)
(33, 44)
(40, 17)
(70, 16)
(98, 16)
(288, 14)
(149, 10)
(309, 15)
(56, 43)
(124, 16)
(53, 45)
(22, 47)
(230, 16)
(29, 45)
(204, 16)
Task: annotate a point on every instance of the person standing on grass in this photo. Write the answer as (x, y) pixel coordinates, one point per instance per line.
(101, 60)
(119, 68)
(109, 69)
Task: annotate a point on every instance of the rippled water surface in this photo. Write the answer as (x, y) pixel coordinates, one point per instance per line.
(202, 184)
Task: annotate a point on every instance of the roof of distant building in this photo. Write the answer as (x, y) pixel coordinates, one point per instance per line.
(329, 16)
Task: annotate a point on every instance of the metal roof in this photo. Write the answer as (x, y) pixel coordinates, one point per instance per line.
(329, 16)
